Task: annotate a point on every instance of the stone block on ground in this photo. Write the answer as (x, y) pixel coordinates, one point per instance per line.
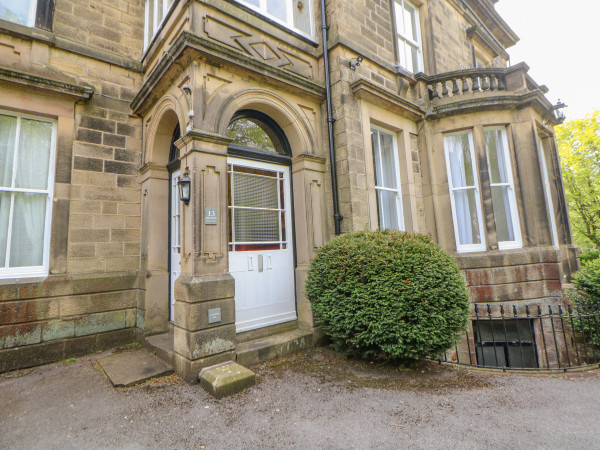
(129, 368)
(226, 379)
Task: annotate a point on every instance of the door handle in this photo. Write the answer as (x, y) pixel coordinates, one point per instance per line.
(260, 263)
(269, 265)
(250, 263)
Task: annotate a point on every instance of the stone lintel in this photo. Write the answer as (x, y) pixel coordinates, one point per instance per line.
(226, 379)
(33, 81)
(377, 95)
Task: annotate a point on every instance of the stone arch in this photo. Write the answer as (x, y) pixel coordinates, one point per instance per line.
(166, 116)
(295, 128)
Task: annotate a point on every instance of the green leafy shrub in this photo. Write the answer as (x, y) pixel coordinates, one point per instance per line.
(587, 301)
(588, 257)
(388, 295)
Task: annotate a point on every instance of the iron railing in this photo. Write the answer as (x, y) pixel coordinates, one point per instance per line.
(549, 337)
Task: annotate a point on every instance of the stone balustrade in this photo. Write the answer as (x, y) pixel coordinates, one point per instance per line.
(463, 82)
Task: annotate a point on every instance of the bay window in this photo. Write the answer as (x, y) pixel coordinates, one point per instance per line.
(387, 179)
(294, 14)
(27, 149)
(464, 192)
(408, 36)
(502, 186)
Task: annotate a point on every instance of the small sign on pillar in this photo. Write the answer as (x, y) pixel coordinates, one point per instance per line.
(210, 216)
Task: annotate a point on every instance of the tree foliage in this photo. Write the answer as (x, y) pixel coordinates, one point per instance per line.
(579, 148)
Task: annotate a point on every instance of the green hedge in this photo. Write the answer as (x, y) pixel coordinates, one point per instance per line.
(388, 295)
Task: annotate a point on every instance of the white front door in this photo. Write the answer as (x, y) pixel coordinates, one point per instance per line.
(261, 256)
(175, 239)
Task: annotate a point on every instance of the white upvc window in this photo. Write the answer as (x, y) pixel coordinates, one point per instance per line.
(504, 200)
(294, 14)
(387, 179)
(19, 11)
(27, 153)
(465, 198)
(155, 14)
(408, 36)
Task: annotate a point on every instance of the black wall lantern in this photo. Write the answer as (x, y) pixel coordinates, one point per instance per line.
(184, 184)
(559, 110)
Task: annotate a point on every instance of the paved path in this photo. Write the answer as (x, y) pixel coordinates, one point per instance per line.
(311, 400)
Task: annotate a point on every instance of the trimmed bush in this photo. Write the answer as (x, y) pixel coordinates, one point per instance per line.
(388, 295)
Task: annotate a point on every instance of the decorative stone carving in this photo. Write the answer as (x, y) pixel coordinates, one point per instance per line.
(256, 47)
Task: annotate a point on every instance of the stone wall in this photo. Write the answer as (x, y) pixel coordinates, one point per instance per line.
(89, 300)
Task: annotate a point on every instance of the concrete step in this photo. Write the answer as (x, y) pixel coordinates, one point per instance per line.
(271, 347)
(162, 345)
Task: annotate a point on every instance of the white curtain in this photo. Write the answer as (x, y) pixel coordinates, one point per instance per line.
(29, 211)
(461, 171)
(8, 127)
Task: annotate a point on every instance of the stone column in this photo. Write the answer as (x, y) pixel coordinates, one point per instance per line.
(308, 176)
(153, 312)
(204, 322)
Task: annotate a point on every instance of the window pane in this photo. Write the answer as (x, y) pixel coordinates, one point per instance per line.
(388, 164)
(410, 25)
(492, 356)
(8, 128)
(34, 154)
(27, 241)
(461, 165)
(252, 2)
(278, 8)
(389, 210)
(4, 213)
(16, 11)
(404, 55)
(496, 155)
(302, 17)
(502, 213)
(465, 202)
(256, 225)
(250, 133)
(254, 191)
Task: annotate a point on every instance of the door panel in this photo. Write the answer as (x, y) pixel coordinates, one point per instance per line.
(261, 258)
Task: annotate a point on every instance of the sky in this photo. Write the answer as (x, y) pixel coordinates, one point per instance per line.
(560, 42)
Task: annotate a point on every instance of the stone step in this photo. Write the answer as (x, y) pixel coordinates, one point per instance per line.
(271, 347)
(162, 346)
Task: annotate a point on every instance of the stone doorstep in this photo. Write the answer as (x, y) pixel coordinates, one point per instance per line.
(226, 379)
(162, 346)
(260, 350)
(128, 368)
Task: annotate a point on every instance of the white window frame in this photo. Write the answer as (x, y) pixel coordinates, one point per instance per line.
(31, 271)
(377, 162)
(418, 45)
(289, 22)
(158, 18)
(32, 14)
(465, 248)
(512, 198)
(547, 192)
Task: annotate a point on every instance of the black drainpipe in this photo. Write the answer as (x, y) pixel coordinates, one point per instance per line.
(337, 218)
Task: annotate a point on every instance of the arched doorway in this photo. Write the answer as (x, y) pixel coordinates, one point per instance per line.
(261, 237)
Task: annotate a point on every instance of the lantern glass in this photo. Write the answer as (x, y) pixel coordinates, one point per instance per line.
(184, 184)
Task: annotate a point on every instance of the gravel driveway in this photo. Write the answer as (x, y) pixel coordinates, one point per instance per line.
(310, 400)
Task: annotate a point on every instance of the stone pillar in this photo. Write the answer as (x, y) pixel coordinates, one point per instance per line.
(308, 176)
(153, 310)
(204, 322)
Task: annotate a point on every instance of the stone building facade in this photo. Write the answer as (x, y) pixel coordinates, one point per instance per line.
(433, 132)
